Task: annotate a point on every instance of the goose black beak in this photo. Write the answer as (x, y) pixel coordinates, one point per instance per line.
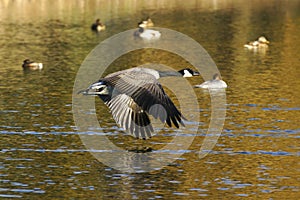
(89, 91)
(94, 89)
(84, 92)
(196, 73)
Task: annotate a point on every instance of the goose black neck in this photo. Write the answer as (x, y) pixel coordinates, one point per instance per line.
(105, 98)
(169, 73)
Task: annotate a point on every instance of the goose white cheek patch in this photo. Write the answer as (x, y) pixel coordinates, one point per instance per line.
(187, 73)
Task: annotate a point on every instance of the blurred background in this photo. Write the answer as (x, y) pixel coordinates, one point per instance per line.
(257, 155)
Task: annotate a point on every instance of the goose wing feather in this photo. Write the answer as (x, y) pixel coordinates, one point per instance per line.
(130, 116)
(147, 93)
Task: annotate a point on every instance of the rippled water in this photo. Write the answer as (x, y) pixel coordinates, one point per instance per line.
(257, 154)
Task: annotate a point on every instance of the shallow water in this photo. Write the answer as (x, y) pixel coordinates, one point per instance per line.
(257, 154)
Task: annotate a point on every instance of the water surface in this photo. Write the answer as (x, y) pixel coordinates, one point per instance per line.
(257, 154)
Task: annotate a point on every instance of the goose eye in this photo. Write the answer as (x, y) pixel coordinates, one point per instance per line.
(99, 89)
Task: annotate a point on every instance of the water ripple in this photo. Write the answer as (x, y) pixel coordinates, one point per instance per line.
(229, 152)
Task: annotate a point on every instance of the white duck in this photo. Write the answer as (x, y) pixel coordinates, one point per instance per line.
(147, 34)
(262, 42)
(215, 83)
(146, 23)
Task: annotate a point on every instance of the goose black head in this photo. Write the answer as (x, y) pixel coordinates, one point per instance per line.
(187, 72)
(98, 88)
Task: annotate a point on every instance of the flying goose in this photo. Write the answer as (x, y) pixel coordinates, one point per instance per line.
(31, 65)
(134, 94)
(215, 83)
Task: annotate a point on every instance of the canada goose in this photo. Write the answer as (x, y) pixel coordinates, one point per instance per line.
(134, 94)
(30, 65)
(215, 83)
(261, 42)
(98, 26)
(146, 23)
(147, 34)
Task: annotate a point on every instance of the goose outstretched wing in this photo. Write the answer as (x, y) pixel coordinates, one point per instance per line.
(130, 116)
(146, 93)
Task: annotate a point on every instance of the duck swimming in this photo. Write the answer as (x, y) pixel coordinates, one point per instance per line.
(261, 42)
(134, 94)
(146, 23)
(31, 65)
(147, 34)
(215, 83)
(98, 26)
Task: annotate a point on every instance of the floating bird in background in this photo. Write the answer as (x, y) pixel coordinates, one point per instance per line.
(98, 26)
(261, 42)
(31, 65)
(215, 83)
(134, 94)
(147, 34)
(147, 23)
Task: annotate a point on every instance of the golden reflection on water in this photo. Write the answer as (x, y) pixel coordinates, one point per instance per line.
(257, 153)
